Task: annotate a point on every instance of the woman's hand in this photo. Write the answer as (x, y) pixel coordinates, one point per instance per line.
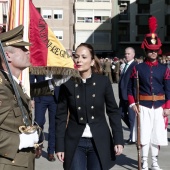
(60, 156)
(118, 149)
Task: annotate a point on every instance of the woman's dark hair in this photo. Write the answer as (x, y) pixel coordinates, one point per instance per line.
(97, 66)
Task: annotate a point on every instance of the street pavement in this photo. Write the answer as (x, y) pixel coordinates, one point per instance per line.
(126, 161)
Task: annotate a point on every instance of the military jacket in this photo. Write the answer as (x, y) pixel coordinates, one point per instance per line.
(153, 80)
(10, 121)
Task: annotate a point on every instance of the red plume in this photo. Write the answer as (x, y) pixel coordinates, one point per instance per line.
(152, 24)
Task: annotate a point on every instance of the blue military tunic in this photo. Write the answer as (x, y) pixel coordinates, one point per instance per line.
(154, 79)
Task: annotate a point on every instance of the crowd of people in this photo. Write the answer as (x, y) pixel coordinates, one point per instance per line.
(79, 133)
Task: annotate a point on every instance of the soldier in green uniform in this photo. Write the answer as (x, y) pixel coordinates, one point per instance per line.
(16, 148)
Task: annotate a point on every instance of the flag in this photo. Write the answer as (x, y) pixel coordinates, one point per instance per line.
(48, 55)
(18, 14)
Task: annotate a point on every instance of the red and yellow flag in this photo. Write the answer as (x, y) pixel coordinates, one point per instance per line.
(47, 53)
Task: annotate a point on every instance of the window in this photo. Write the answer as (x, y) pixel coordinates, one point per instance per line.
(39, 10)
(101, 0)
(84, 36)
(58, 14)
(59, 34)
(47, 14)
(101, 37)
(101, 16)
(144, 8)
(143, 29)
(142, 19)
(123, 32)
(93, 0)
(84, 16)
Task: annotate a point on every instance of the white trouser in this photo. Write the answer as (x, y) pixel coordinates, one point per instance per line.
(152, 127)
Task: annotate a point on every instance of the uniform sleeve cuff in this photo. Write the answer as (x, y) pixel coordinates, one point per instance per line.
(131, 99)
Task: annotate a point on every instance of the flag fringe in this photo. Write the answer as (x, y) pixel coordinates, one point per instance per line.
(42, 70)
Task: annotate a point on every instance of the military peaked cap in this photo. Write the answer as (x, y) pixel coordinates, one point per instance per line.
(14, 37)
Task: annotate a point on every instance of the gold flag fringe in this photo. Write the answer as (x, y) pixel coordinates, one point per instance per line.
(57, 71)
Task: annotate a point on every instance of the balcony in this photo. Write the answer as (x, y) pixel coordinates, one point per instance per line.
(143, 1)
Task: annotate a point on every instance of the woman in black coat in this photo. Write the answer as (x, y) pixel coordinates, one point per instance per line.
(84, 140)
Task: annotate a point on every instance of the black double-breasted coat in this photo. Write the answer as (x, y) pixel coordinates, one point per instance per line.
(86, 103)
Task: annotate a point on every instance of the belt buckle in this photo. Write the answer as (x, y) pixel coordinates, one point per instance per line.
(153, 97)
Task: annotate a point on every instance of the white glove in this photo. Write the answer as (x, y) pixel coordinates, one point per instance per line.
(28, 140)
(58, 81)
(113, 67)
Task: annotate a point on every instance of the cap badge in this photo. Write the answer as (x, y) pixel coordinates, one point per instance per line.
(153, 40)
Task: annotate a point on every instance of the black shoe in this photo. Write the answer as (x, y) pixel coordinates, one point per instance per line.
(51, 157)
(129, 142)
(38, 152)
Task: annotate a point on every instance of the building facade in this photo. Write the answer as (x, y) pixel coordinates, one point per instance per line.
(132, 18)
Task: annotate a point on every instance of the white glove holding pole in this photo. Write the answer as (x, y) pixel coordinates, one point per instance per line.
(58, 81)
(28, 140)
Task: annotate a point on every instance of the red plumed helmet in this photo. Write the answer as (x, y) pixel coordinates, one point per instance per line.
(151, 40)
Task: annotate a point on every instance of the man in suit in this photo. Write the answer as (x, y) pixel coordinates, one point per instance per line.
(42, 103)
(127, 114)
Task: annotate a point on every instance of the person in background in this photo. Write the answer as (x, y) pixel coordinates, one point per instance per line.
(41, 104)
(85, 140)
(154, 98)
(122, 65)
(70, 52)
(116, 70)
(127, 114)
(2, 29)
(168, 62)
(107, 69)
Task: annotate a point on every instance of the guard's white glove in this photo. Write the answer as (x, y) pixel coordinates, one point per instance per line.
(58, 81)
(28, 140)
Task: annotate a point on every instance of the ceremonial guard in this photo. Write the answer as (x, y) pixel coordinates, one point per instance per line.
(154, 97)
